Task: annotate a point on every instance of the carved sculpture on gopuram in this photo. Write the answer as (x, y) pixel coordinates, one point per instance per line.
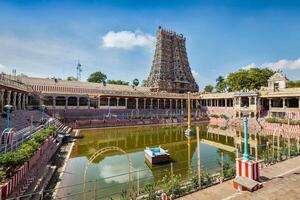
(170, 69)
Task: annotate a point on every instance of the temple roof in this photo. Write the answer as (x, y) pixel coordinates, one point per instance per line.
(278, 76)
(79, 84)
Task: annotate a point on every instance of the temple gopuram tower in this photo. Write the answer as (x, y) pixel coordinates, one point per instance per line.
(170, 69)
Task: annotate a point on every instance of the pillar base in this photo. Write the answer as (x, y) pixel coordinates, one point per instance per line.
(248, 169)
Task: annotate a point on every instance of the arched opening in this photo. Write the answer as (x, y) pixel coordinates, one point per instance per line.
(48, 101)
(83, 101)
(72, 101)
(60, 101)
(99, 153)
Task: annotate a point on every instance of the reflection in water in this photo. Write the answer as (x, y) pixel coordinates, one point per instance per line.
(110, 170)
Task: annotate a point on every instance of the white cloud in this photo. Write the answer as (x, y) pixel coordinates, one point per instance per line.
(249, 66)
(195, 73)
(281, 64)
(127, 40)
(2, 67)
(284, 64)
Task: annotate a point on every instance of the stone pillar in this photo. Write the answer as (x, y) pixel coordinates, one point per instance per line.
(164, 103)
(136, 103)
(99, 101)
(181, 104)
(8, 98)
(270, 106)
(158, 103)
(23, 102)
(66, 103)
(217, 100)
(78, 98)
(170, 106)
(126, 99)
(26, 100)
(89, 102)
(108, 101)
(54, 102)
(2, 99)
(299, 102)
(19, 101)
(192, 104)
(15, 100)
(118, 99)
(283, 102)
(176, 104)
(41, 100)
(151, 104)
(145, 103)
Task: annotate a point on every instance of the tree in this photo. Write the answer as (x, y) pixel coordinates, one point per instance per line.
(249, 79)
(71, 78)
(208, 88)
(97, 77)
(221, 84)
(293, 84)
(117, 82)
(135, 82)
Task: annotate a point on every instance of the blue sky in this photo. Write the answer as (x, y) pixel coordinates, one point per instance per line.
(46, 38)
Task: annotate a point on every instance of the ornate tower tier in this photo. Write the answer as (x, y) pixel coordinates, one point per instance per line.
(170, 69)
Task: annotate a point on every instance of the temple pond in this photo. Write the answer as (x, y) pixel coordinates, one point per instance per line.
(108, 174)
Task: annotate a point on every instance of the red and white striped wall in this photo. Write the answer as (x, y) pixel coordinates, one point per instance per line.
(246, 168)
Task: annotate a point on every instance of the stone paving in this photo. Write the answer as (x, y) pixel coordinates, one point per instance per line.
(281, 181)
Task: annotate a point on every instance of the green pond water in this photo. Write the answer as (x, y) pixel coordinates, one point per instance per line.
(108, 173)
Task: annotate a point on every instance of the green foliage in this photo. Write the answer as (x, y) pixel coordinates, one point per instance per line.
(149, 189)
(12, 160)
(135, 82)
(214, 116)
(97, 77)
(128, 194)
(71, 78)
(123, 194)
(221, 84)
(282, 121)
(117, 82)
(2, 176)
(208, 88)
(228, 171)
(206, 178)
(42, 135)
(172, 185)
(249, 79)
(194, 180)
(293, 84)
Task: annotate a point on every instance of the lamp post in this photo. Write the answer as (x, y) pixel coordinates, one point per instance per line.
(245, 114)
(43, 108)
(188, 131)
(8, 109)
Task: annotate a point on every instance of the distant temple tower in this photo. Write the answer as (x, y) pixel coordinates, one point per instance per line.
(170, 69)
